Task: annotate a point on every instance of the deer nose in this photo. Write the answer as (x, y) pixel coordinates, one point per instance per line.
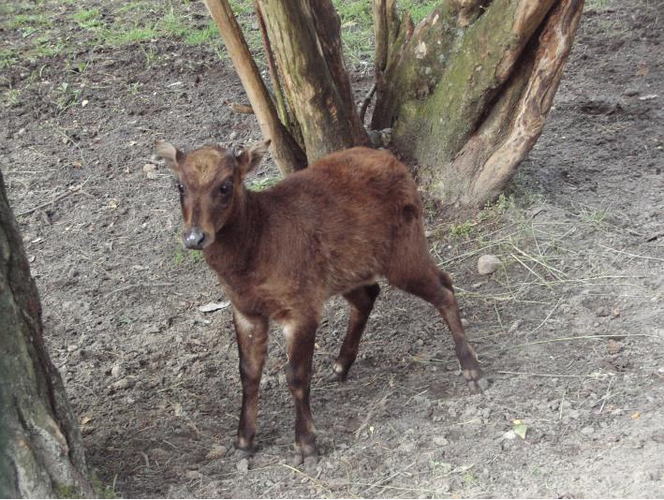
(194, 238)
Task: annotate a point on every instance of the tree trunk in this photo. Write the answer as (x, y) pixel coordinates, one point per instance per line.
(285, 150)
(41, 455)
(305, 36)
(467, 91)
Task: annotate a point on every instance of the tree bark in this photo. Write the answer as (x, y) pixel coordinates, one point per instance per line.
(305, 37)
(41, 452)
(286, 152)
(466, 92)
(455, 84)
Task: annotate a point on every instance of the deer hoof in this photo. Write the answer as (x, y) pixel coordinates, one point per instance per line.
(476, 380)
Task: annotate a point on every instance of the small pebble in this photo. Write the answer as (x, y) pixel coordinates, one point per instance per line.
(124, 383)
(515, 326)
(217, 451)
(488, 264)
(242, 466)
(150, 170)
(117, 371)
(440, 441)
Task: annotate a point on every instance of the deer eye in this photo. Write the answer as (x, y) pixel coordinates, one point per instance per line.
(181, 188)
(225, 188)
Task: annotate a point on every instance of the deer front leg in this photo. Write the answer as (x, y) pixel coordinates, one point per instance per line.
(300, 339)
(251, 335)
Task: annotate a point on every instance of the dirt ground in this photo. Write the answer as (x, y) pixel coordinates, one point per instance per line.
(570, 329)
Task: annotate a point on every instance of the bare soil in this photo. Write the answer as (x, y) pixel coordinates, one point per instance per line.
(570, 329)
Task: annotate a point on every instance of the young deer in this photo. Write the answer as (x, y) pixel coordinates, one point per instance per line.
(332, 228)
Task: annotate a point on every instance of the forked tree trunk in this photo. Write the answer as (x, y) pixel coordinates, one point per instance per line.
(41, 453)
(466, 92)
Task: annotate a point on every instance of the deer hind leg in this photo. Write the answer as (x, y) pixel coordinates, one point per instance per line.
(435, 286)
(300, 340)
(361, 302)
(252, 345)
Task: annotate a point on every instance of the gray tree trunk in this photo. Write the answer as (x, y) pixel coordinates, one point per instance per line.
(41, 453)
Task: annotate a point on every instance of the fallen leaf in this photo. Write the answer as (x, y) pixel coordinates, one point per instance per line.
(643, 70)
(520, 429)
(217, 451)
(214, 306)
(614, 347)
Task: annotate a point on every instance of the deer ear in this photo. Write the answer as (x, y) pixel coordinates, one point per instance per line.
(249, 159)
(170, 154)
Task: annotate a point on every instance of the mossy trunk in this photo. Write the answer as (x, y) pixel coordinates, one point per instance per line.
(468, 90)
(41, 453)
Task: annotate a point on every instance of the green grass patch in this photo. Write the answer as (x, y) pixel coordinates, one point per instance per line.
(130, 7)
(464, 229)
(172, 24)
(28, 21)
(88, 19)
(259, 184)
(197, 37)
(7, 58)
(11, 97)
(135, 34)
(183, 257)
(418, 9)
(597, 5)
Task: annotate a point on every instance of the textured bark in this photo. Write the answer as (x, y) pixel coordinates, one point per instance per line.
(285, 150)
(490, 157)
(470, 66)
(466, 92)
(307, 48)
(41, 455)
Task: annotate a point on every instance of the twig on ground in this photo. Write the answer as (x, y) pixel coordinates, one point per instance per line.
(135, 285)
(547, 317)
(583, 337)
(242, 109)
(366, 102)
(646, 257)
(545, 375)
(71, 190)
(311, 478)
(544, 282)
(550, 268)
(386, 479)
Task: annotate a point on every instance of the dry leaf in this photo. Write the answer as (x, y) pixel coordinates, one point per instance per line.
(643, 70)
(614, 347)
(520, 429)
(213, 306)
(217, 451)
